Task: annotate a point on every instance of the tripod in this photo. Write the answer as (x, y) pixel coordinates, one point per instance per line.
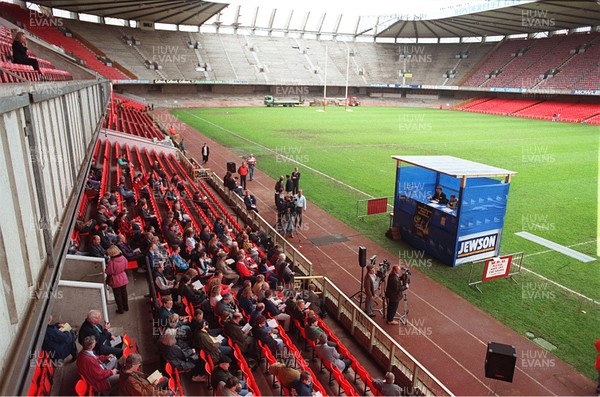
(358, 296)
(404, 317)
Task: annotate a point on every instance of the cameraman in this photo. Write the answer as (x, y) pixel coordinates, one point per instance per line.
(393, 293)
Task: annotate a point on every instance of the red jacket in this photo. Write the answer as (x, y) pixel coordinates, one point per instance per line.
(242, 269)
(89, 369)
(243, 170)
(116, 268)
(597, 365)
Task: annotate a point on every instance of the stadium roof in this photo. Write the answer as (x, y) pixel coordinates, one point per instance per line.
(454, 166)
(540, 16)
(178, 12)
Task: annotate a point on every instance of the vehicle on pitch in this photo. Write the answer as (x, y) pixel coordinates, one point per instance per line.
(270, 102)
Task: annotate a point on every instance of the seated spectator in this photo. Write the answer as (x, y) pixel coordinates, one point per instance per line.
(263, 269)
(107, 236)
(221, 374)
(133, 382)
(250, 201)
(453, 202)
(258, 311)
(271, 310)
(439, 196)
(200, 200)
(132, 254)
(101, 333)
(176, 259)
(194, 296)
(287, 376)
(163, 285)
(282, 268)
(229, 275)
(124, 164)
(313, 331)
(141, 187)
(330, 354)
(233, 330)
(203, 265)
(299, 312)
(387, 387)
(164, 313)
(147, 216)
(154, 257)
(172, 237)
(59, 344)
(225, 305)
(304, 385)
(202, 340)
(84, 227)
(104, 216)
(19, 53)
(127, 194)
(262, 332)
(180, 216)
(170, 195)
(92, 182)
(243, 270)
(229, 388)
(97, 250)
(182, 359)
(99, 371)
(315, 300)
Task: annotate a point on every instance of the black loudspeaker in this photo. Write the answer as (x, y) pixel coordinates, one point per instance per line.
(500, 361)
(362, 256)
(231, 167)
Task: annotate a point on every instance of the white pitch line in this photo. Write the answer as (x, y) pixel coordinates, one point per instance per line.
(556, 247)
(291, 160)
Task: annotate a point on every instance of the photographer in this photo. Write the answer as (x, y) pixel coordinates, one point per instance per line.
(393, 293)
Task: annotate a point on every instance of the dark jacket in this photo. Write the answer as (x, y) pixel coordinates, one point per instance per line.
(202, 340)
(261, 334)
(19, 52)
(393, 291)
(219, 375)
(102, 335)
(271, 309)
(177, 357)
(302, 389)
(234, 332)
(58, 344)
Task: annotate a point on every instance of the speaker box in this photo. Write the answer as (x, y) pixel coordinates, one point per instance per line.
(500, 361)
(362, 256)
(231, 167)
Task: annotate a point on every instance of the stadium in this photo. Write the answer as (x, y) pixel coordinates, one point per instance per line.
(206, 198)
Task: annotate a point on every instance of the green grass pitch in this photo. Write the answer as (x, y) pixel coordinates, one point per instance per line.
(554, 195)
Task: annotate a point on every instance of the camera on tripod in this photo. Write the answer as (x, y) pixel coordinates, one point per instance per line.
(382, 271)
(405, 277)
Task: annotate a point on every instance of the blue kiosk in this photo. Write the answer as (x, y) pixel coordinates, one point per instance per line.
(467, 230)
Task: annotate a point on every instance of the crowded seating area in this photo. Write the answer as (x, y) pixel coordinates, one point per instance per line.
(222, 296)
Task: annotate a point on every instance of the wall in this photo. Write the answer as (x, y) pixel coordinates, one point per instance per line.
(46, 136)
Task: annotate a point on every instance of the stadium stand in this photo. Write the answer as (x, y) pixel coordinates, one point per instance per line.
(520, 63)
(25, 72)
(47, 29)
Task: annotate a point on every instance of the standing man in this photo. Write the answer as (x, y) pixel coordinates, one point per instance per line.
(300, 207)
(371, 284)
(393, 293)
(243, 172)
(205, 153)
(251, 161)
(295, 180)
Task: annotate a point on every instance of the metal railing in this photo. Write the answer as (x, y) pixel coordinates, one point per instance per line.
(386, 351)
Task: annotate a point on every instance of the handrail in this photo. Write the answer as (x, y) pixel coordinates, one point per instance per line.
(362, 327)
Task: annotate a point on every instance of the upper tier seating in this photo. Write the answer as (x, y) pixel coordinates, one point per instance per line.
(538, 56)
(25, 71)
(47, 29)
